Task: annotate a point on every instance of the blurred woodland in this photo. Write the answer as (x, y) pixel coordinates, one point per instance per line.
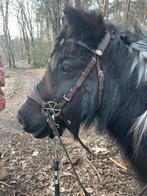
(39, 22)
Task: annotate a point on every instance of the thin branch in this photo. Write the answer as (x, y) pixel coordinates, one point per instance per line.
(5, 184)
(118, 164)
(93, 167)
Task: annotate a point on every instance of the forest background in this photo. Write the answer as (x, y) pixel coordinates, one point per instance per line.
(28, 28)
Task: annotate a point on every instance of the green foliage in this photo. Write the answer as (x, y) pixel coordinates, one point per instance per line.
(39, 59)
(40, 55)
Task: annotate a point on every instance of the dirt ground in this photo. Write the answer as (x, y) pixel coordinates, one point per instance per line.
(29, 160)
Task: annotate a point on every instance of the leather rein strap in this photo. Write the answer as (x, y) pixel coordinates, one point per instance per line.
(95, 60)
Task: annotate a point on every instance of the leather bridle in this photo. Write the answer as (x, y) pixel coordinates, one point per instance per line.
(54, 109)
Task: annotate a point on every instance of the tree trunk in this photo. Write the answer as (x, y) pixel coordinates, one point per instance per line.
(78, 4)
(8, 42)
(105, 7)
(66, 2)
(21, 18)
(126, 10)
(116, 7)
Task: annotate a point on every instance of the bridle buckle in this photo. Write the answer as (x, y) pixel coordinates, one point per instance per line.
(66, 98)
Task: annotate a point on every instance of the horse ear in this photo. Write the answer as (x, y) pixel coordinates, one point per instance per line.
(73, 17)
(88, 26)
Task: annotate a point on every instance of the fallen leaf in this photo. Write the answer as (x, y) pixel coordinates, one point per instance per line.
(35, 153)
(98, 150)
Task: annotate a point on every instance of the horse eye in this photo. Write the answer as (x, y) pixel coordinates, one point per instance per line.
(66, 69)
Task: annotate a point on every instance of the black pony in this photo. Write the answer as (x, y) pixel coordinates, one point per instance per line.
(123, 109)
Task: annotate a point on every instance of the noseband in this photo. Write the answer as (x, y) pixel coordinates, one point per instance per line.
(54, 109)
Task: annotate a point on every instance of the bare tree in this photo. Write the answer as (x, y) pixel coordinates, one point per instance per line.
(51, 10)
(21, 18)
(4, 9)
(142, 10)
(78, 4)
(116, 7)
(40, 22)
(24, 18)
(126, 10)
(105, 6)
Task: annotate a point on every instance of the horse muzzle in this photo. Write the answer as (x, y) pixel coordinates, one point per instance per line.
(39, 129)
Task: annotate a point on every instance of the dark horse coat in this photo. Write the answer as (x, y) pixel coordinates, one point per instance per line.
(123, 111)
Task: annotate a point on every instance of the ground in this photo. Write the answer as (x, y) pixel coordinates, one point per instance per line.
(29, 160)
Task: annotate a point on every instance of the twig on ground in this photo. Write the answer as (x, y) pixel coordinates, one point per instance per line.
(118, 164)
(5, 184)
(93, 167)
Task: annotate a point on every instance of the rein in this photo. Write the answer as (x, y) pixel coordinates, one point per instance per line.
(53, 110)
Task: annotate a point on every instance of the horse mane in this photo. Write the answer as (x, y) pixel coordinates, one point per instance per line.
(140, 60)
(137, 43)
